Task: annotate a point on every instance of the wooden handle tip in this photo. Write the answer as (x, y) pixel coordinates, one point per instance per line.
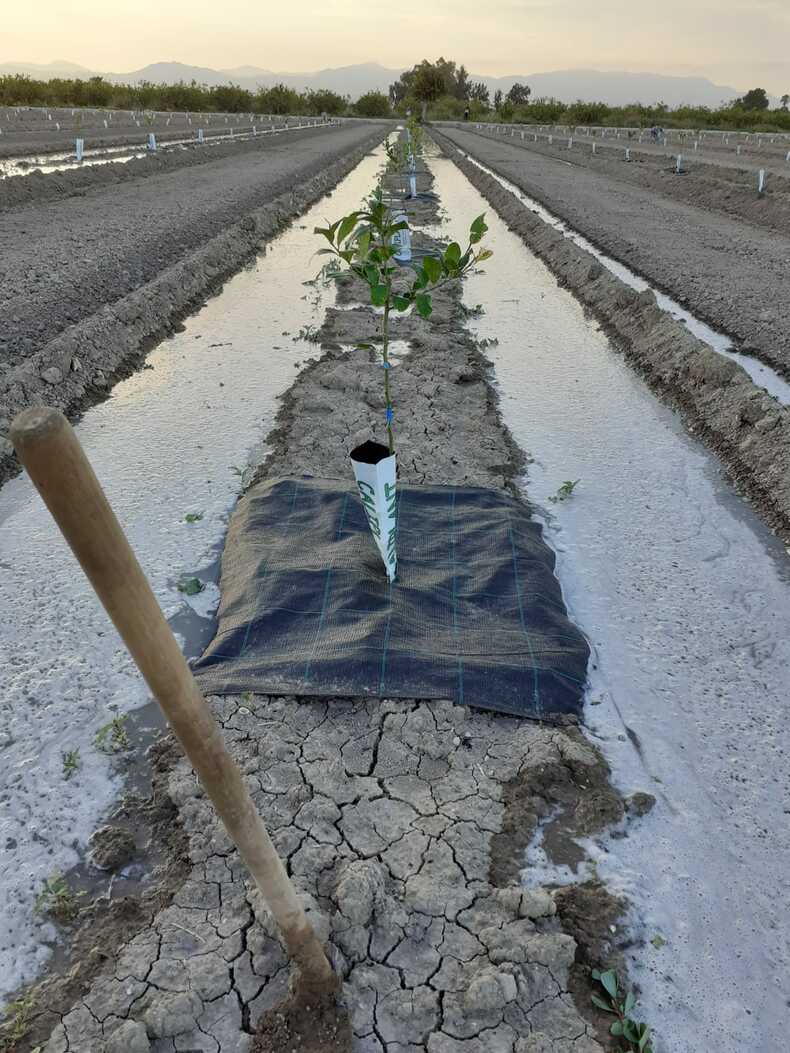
(34, 424)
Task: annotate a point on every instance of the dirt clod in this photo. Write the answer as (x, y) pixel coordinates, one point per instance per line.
(111, 847)
(305, 1022)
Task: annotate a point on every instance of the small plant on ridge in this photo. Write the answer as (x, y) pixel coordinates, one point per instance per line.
(72, 763)
(620, 1004)
(565, 491)
(56, 899)
(112, 737)
(17, 1024)
(364, 242)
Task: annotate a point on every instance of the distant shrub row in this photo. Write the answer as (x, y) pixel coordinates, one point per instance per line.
(18, 90)
(551, 111)
(96, 92)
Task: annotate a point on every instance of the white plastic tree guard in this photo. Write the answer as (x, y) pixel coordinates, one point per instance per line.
(375, 471)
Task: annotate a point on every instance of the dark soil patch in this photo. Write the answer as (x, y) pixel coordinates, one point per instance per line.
(589, 913)
(579, 796)
(104, 926)
(305, 1023)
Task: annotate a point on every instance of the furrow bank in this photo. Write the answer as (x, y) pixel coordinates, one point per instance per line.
(747, 428)
(728, 272)
(79, 365)
(403, 823)
(32, 189)
(729, 188)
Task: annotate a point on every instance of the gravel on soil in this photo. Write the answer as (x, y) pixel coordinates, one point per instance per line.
(730, 273)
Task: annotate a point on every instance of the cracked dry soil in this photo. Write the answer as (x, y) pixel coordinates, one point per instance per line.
(403, 823)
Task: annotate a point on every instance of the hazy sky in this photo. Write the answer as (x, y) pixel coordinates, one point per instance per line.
(738, 42)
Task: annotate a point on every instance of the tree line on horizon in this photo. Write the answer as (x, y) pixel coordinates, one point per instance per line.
(441, 90)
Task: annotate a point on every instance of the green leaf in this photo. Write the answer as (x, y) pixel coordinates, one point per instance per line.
(452, 255)
(378, 295)
(601, 1004)
(193, 517)
(325, 252)
(346, 227)
(478, 225)
(630, 1031)
(596, 974)
(363, 243)
(363, 347)
(191, 586)
(371, 274)
(432, 268)
(644, 1038)
(400, 303)
(424, 305)
(616, 1028)
(609, 982)
(630, 1002)
(484, 254)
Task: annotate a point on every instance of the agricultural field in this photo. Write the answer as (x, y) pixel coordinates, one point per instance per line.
(549, 815)
(27, 132)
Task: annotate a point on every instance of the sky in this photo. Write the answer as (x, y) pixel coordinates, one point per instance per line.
(740, 43)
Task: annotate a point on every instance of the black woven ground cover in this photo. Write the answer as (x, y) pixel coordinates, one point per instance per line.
(476, 614)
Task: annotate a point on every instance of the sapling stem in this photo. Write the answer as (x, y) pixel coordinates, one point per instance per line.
(385, 346)
(364, 242)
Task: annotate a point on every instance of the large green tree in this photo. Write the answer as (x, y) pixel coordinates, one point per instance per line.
(372, 104)
(756, 99)
(519, 94)
(428, 81)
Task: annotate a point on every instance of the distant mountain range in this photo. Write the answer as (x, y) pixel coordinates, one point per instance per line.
(568, 85)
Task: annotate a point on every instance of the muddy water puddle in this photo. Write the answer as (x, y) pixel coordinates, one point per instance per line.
(685, 597)
(174, 440)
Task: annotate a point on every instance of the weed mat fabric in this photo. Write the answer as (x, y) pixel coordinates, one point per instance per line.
(475, 615)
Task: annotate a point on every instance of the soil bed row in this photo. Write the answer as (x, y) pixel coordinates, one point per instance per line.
(728, 272)
(403, 823)
(747, 428)
(727, 188)
(23, 190)
(119, 311)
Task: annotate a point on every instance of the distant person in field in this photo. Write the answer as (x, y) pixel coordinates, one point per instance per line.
(466, 114)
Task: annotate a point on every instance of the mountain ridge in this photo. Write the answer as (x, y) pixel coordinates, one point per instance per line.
(615, 87)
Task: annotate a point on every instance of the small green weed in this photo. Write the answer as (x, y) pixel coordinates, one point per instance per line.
(487, 341)
(17, 1024)
(112, 737)
(473, 312)
(565, 491)
(193, 517)
(620, 1004)
(308, 332)
(57, 900)
(72, 763)
(191, 586)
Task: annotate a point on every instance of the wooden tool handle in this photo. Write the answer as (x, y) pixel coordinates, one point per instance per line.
(48, 447)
